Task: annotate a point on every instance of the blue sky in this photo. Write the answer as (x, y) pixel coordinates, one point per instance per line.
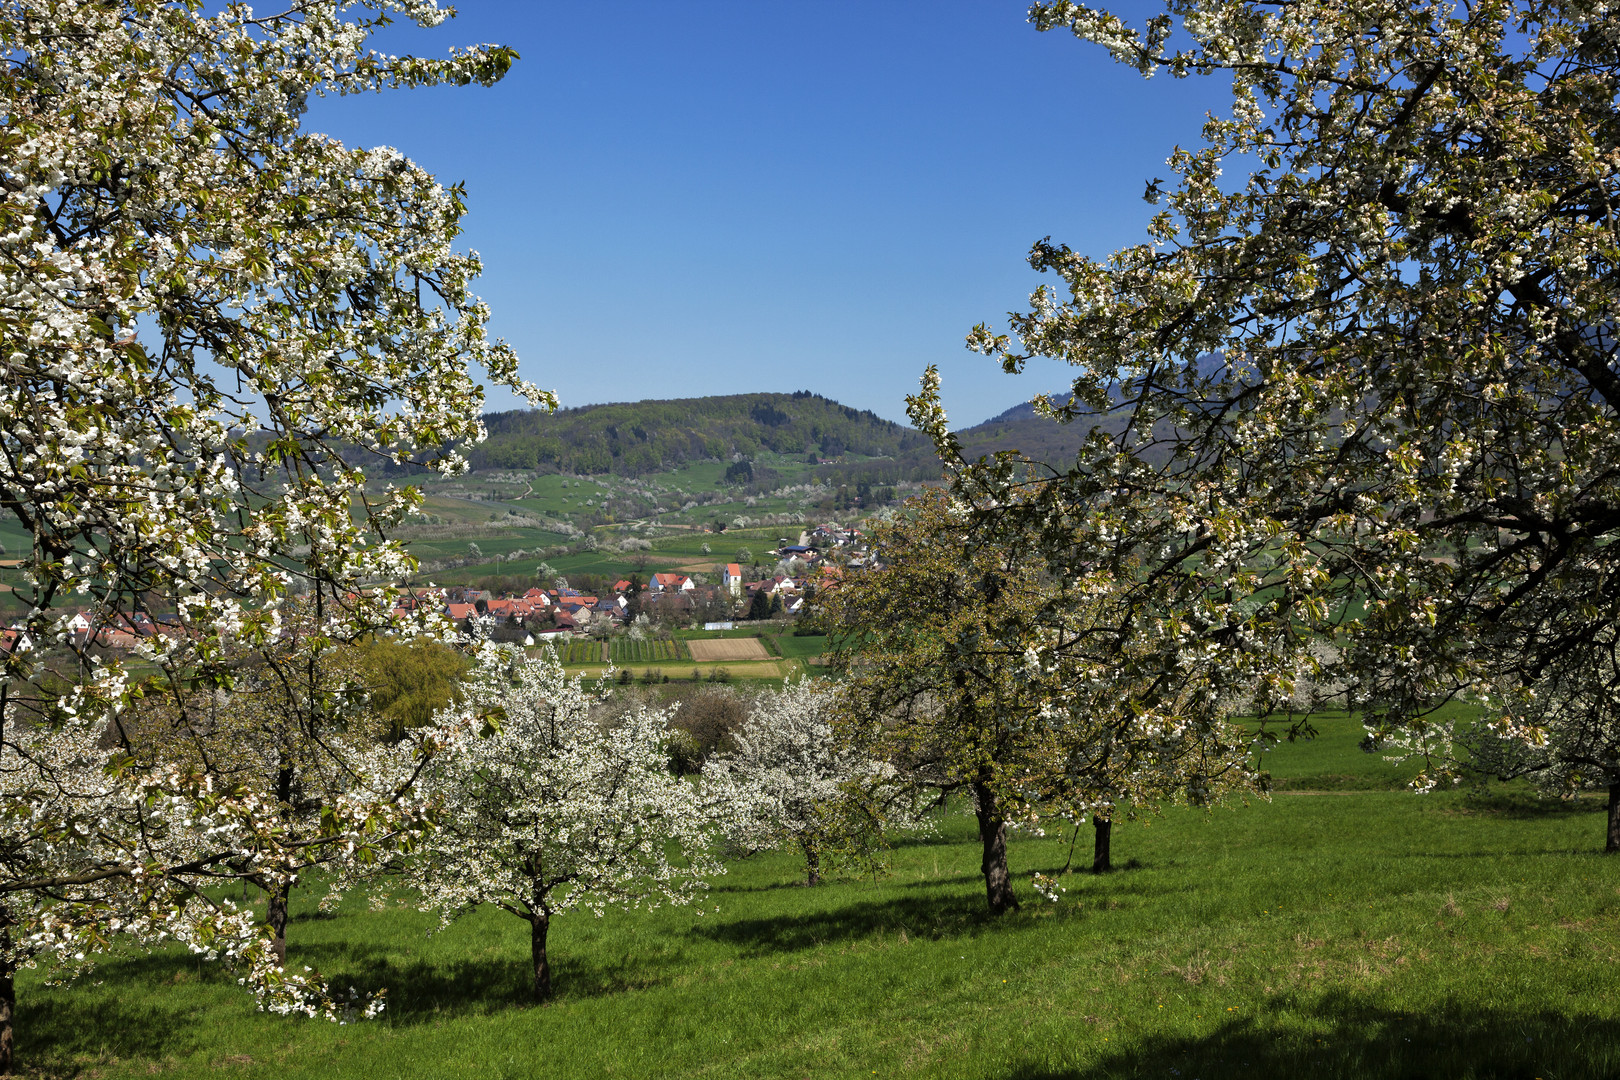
(711, 197)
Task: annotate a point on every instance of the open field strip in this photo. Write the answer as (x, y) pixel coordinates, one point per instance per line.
(683, 669)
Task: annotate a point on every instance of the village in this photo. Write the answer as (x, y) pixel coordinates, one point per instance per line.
(660, 601)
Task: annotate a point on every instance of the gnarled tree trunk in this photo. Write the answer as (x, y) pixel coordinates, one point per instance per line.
(8, 994)
(812, 862)
(993, 837)
(1611, 845)
(1100, 862)
(276, 916)
(279, 891)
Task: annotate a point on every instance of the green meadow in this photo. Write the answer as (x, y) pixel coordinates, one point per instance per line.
(1346, 928)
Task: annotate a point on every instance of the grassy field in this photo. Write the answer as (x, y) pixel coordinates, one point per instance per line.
(800, 647)
(687, 496)
(1337, 931)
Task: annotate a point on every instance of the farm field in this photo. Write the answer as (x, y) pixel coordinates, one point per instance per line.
(1332, 932)
(800, 646)
(773, 670)
(626, 651)
(726, 649)
(677, 551)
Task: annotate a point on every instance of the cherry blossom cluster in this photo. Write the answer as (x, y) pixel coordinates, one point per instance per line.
(210, 320)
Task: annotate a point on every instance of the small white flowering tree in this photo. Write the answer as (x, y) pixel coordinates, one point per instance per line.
(127, 850)
(545, 808)
(789, 780)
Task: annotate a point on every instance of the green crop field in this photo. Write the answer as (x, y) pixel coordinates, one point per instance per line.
(626, 651)
(579, 651)
(1335, 931)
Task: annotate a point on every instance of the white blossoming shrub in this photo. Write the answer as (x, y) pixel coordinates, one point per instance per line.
(789, 781)
(544, 809)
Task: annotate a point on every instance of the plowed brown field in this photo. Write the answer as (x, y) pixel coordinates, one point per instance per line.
(711, 650)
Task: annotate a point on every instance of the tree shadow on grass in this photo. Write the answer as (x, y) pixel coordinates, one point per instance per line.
(426, 989)
(836, 880)
(933, 908)
(67, 1030)
(924, 915)
(1526, 805)
(143, 1012)
(1343, 1034)
(930, 840)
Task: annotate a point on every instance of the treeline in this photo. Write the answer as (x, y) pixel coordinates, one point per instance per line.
(633, 439)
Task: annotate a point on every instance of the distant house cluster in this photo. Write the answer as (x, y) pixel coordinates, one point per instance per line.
(541, 614)
(87, 629)
(537, 613)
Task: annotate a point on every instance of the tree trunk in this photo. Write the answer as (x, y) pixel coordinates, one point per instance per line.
(993, 837)
(1612, 844)
(8, 994)
(276, 909)
(276, 915)
(539, 923)
(1100, 863)
(812, 863)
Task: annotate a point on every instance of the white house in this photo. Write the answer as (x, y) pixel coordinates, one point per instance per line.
(670, 583)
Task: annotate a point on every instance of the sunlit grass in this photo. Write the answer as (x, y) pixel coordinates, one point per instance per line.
(1331, 932)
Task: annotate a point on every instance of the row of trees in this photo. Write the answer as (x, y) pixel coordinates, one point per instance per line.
(539, 796)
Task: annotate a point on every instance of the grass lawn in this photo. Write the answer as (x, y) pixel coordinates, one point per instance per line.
(1336, 931)
(801, 646)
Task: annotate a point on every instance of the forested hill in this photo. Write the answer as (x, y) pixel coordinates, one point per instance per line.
(1019, 428)
(636, 438)
(647, 436)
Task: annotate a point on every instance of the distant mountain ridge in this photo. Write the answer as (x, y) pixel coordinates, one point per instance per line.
(1024, 410)
(634, 438)
(637, 438)
(1020, 428)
